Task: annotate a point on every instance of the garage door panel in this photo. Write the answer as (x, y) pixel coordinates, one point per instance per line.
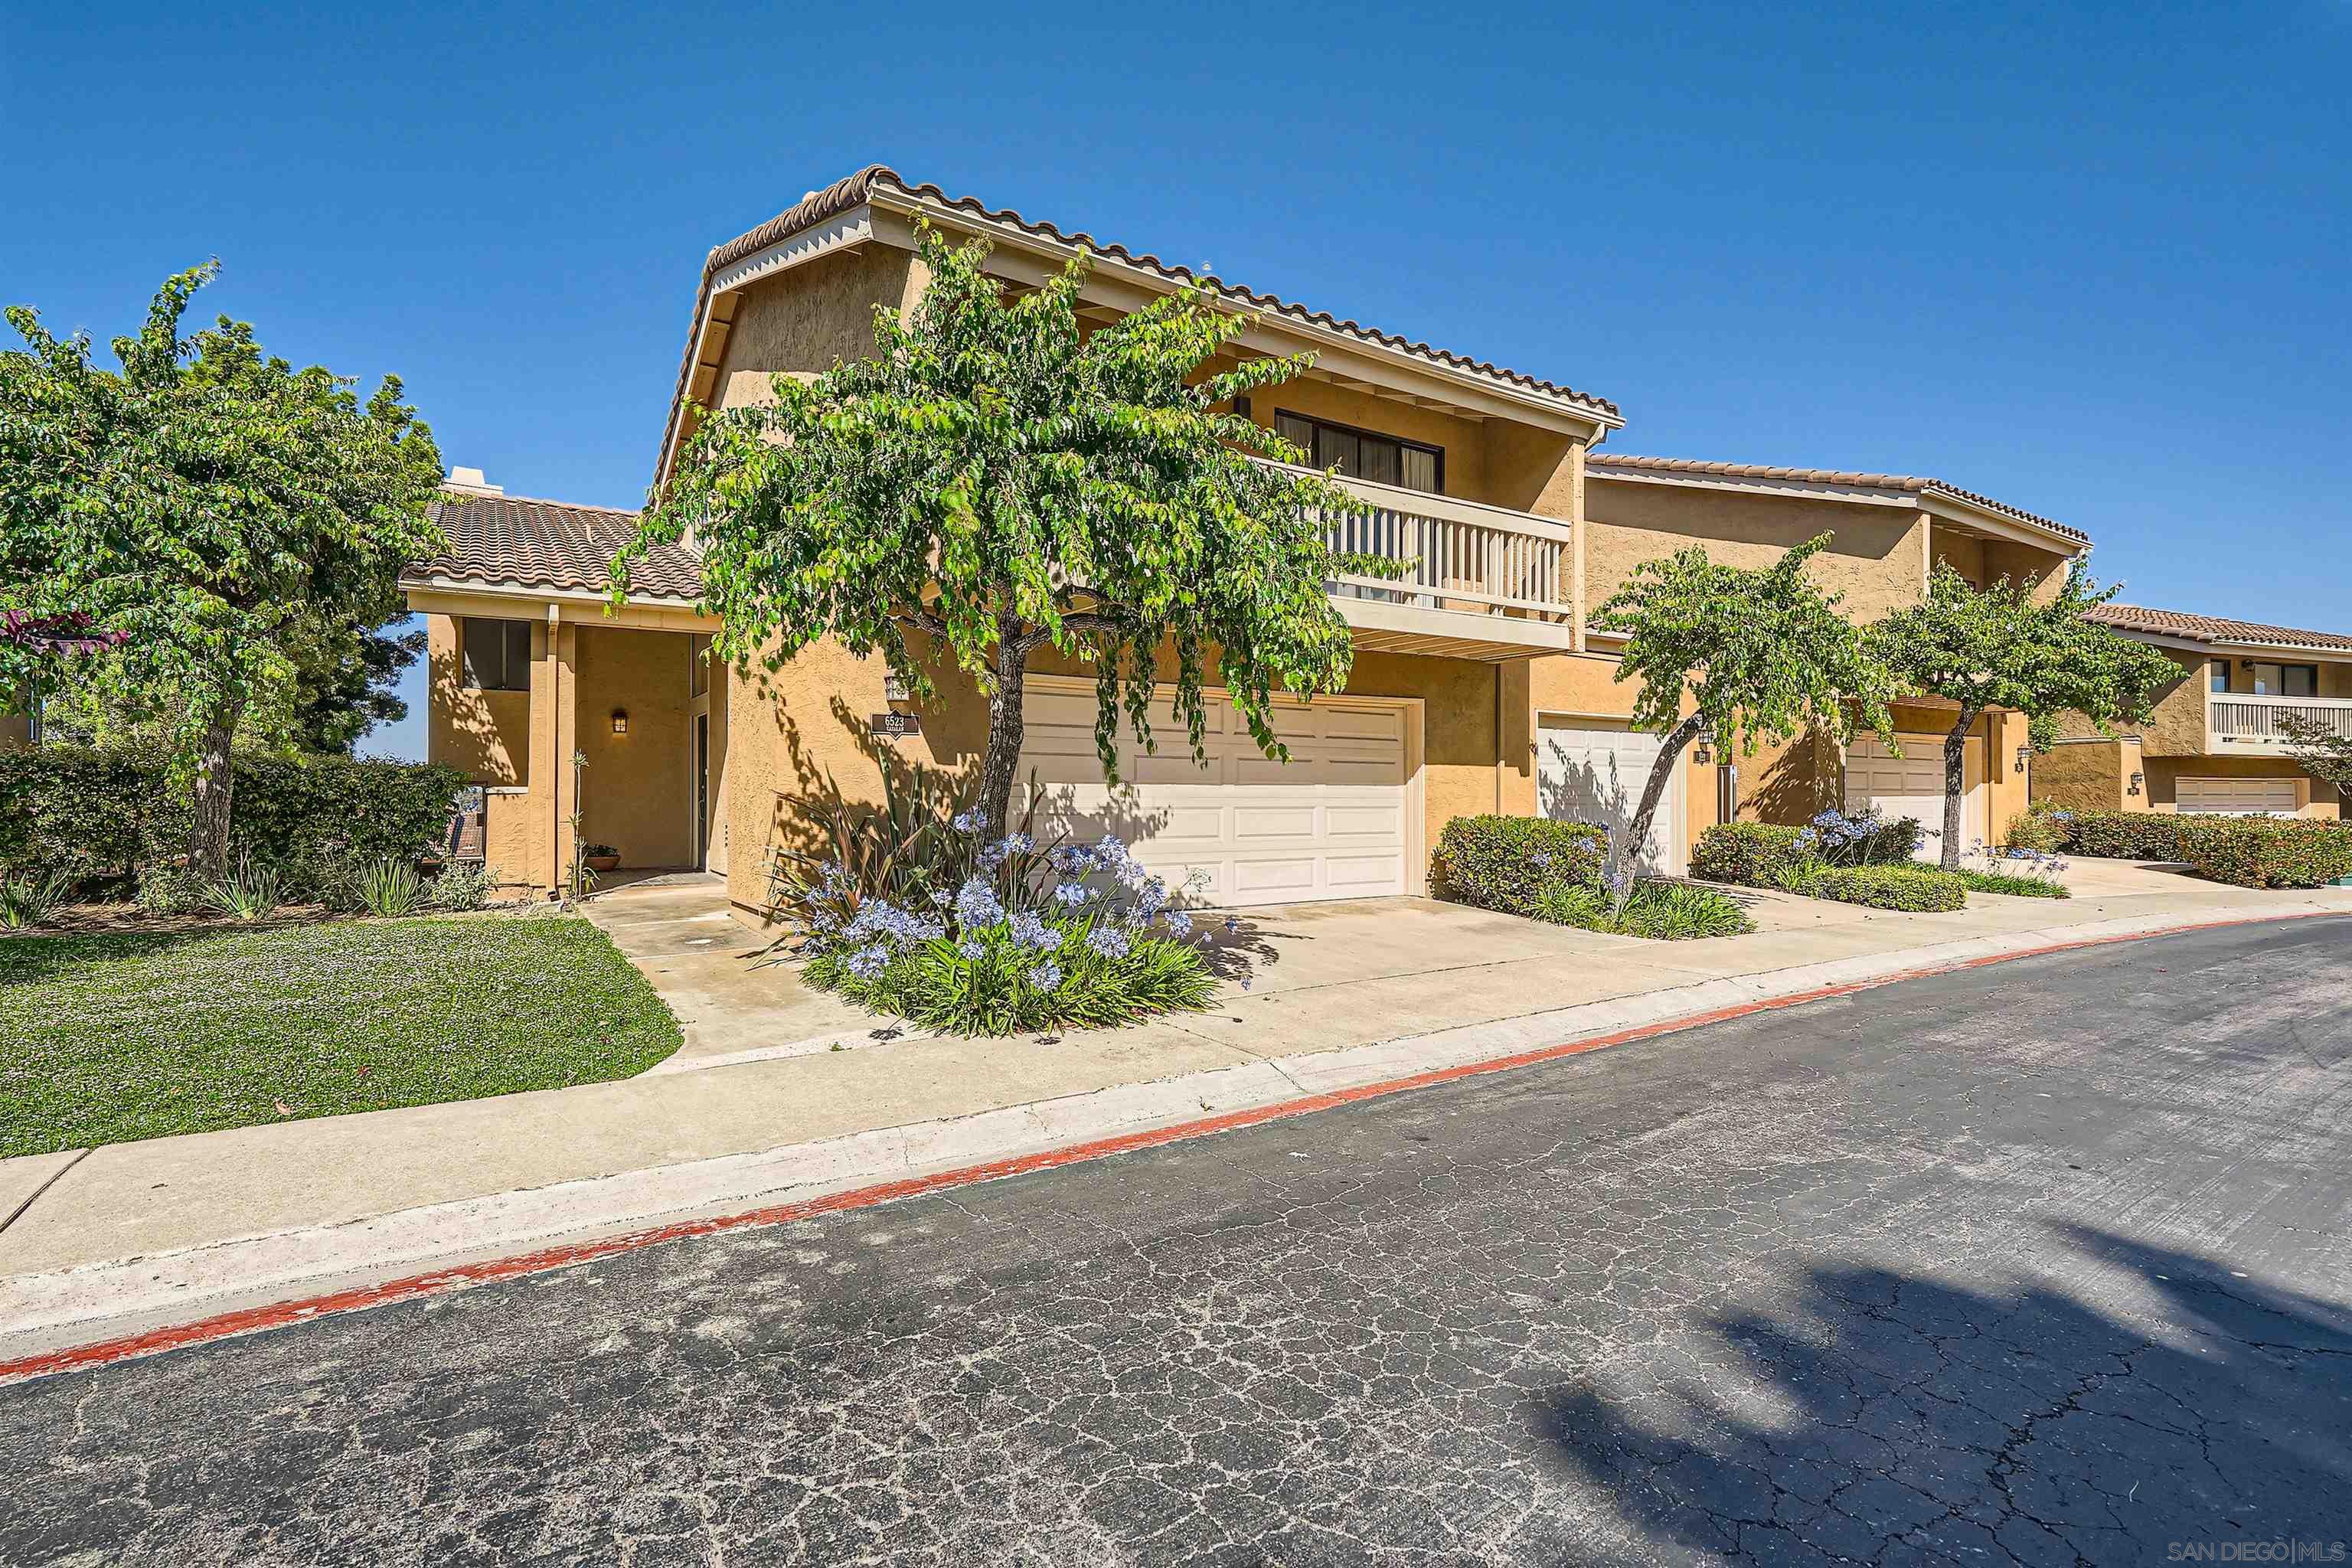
(1330, 824)
(1913, 785)
(2274, 796)
(1596, 773)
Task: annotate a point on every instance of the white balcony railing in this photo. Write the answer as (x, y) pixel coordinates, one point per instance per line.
(1463, 555)
(2253, 723)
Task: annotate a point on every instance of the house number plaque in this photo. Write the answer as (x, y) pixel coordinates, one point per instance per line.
(895, 726)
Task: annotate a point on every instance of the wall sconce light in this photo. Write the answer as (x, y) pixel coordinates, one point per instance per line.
(620, 720)
(2137, 780)
(2024, 756)
(1702, 755)
(895, 690)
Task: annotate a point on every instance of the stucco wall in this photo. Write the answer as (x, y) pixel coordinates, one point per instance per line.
(1875, 558)
(485, 733)
(2091, 775)
(637, 785)
(804, 735)
(803, 320)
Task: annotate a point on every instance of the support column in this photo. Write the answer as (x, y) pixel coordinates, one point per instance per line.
(554, 736)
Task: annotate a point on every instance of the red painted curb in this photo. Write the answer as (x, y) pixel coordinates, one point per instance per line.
(251, 1319)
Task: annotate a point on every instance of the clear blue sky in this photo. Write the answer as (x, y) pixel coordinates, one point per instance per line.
(2090, 260)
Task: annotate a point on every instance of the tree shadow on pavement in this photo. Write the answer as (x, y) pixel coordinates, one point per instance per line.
(1895, 1417)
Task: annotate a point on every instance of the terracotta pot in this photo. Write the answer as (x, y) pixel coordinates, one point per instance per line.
(602, 863)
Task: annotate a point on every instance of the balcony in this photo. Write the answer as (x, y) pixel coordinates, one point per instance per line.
(2251, 725)
(1483, 582)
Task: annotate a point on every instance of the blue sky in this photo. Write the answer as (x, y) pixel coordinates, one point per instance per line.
(2089, 259)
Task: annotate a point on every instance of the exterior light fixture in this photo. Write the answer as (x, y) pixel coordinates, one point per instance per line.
(620, 720)
(895, 690)
(1702, 755)
(2137, 780)
(2025, 753)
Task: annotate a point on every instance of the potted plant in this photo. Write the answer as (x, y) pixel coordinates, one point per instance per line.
(601, 858)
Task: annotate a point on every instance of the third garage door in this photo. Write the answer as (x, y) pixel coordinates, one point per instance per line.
(1594, 770)
(1334, 822)
(1913, 785)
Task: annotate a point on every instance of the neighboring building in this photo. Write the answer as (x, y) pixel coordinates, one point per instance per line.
(1478, 684)
(2214, 742)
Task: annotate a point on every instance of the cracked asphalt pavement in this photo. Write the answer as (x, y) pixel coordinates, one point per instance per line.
(2049, 1262)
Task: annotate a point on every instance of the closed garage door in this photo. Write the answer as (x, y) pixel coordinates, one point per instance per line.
(1913, 785)
(2236, 795)
(1333, 823)
(1595, 772)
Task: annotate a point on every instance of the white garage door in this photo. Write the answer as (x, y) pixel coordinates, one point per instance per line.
(1331, 823)
(1913, 785)
(1588, 771)
(2235, 795)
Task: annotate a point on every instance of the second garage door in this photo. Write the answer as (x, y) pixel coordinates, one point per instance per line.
(1336, 822)
(1913, 785)
(2243, 795)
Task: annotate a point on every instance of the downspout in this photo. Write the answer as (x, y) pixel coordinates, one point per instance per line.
(554, 736)
(1498, 737)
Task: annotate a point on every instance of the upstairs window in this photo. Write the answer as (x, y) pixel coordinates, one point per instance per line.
(2218, 679)
(2286, 681)
(697, 665)
(496, 655)
(1359, 454)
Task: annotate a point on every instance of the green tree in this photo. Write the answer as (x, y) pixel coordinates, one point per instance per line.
(2322, 752)
(1753, 653)
(996, 479)
(2000, 647)
(220, 510)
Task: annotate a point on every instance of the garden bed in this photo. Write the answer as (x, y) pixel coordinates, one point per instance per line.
(107, 1036)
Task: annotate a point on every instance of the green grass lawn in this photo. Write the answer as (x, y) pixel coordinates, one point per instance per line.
(108, 1037)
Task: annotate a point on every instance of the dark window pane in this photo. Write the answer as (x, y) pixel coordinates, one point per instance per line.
(2221, 677)
(2300, 680)
(1300, 433)
(1380, 460)
(518, 655)
(1339, 447)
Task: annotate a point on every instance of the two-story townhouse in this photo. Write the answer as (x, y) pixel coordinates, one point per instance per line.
(2214, 741)
(1479, 683)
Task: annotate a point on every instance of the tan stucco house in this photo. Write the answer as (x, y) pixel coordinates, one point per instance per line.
(1478, 683)
(2214, 742)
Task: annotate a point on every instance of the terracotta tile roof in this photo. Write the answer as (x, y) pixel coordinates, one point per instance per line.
(844, 195)
(1603, 461)
(2212, 628)
(516, 541)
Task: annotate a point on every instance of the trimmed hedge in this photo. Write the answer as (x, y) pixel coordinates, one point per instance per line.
(2267, 851)
(1504, 862)
(1920, 889)
(2121, 835)
(1767, 855)
(102, 817)
(1747, 854)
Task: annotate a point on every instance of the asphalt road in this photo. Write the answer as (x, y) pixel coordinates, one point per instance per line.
(2050, 1262)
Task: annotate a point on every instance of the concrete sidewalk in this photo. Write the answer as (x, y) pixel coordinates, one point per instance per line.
(781, 1089)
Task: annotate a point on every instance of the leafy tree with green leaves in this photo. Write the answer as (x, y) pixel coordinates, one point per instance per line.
(2319, 751)
(1755, 653)
(222, 513)
(1999, 647)
(996, 479)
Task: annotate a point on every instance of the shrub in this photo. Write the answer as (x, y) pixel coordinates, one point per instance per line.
(2013, 885)
(109, 818)
(1009, 936)
(30, 898)
(2040, 826)
(389, 888)
(1659, 911)
(1863, 838)
(2267, 851)
(462, 885)
(1919, 888)
(1747, 854)
(2121, 835)
(1506, 862)
(246, 893)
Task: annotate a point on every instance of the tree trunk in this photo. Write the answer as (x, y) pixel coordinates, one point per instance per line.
(1002, 759)
(216, 780)
(1662, 773)
(1956, 784)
